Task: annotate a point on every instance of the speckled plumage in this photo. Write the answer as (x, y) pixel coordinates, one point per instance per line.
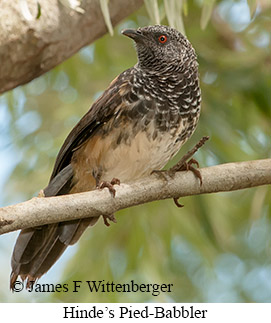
(138, 124)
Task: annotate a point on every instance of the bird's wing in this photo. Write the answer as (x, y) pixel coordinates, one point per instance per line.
(100, 112)
(37, 249)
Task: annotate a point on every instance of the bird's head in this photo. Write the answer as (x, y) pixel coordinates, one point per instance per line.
(161, 48)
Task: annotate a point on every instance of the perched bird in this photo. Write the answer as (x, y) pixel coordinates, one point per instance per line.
(139, 123)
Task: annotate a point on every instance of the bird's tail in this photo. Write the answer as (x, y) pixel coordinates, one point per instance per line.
(37, 249)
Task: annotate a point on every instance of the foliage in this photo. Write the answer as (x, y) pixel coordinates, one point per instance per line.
(216, 248)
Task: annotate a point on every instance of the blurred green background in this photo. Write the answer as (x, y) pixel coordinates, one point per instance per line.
(215, 249)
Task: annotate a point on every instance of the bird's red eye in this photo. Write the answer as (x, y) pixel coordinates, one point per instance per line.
(162, 39)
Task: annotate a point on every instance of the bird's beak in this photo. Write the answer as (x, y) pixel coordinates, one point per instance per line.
(133, 33)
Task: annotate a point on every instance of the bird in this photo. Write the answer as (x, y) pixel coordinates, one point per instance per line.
(136, 126)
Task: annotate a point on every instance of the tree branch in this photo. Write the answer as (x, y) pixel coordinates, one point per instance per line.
(221, 178)
(29, 47)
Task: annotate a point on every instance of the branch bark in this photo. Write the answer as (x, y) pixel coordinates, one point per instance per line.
(30, 47)
(221, 178)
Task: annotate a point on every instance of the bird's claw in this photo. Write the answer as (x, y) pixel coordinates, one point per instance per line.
(187, 166)
(111, 218)
(177, 203)
(183, 165)
(115, 181)
(109, 185)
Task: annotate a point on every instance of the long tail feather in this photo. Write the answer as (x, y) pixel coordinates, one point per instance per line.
(37, 249)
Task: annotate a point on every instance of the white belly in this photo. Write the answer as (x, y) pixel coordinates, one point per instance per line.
(101, 157)
(140, 157)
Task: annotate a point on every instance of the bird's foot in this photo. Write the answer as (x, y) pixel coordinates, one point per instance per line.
(184, 167)
(111, 218)
(109, 185)
(186, 161)
(184, 164)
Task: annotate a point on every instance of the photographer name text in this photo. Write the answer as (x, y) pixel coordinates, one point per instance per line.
(96, 286)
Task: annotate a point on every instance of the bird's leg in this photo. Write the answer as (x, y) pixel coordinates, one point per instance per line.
(185, 164)
(110, 186)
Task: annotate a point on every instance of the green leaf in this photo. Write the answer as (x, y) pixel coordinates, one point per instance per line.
(153, 11)
(173, 9)
(106, 14)
(178, 16)
(206, 12)
(185, 7)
